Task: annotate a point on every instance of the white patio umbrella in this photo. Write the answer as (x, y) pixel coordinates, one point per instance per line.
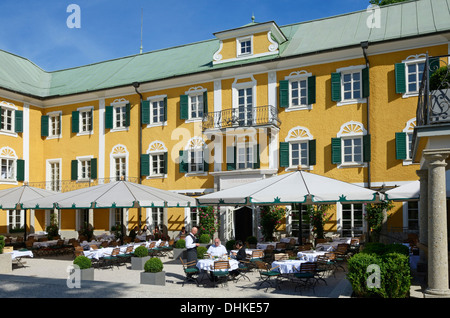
(13, 198)
(411, 191)
(117, 194)
(294, 187)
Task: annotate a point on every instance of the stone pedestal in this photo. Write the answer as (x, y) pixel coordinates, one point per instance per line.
(153, 278)
(5, 263)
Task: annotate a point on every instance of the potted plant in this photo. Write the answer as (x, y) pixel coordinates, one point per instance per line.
(204, 240)
(5, 259)
(85, 266)
(179, 249)
(201, 251)
(140, 256)
(252, 241)
(153, 273)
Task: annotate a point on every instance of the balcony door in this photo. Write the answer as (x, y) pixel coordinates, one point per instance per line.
(245, 107)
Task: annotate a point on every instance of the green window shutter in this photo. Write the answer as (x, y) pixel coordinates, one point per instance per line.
(165, 108)
(311, 90)
(257, 161)
(91, 120)
(312, 152)
(365, 82)
(94, 168)
(44, 126)
(127, 115)
(75, 121)
(145, 164)
(231, 158)
(183, 163)
(74, 171)
(205, 103)
(336, 151)
(145, 112)
(60, 123)
(284, 154)
(166, 157)
(18, 117)
(400, 80)
(336, 87)
(184, 107)
(20, 176)
(366, 148)
(400, 146)
(109, 116)
(284, 94)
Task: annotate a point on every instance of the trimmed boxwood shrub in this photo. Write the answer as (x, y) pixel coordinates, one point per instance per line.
(395, 271)
(140, 251)
(230, 244)
(252, 240)
(82, 262)
(180, 244)
(201, 250)
(153, 265)
(204, 239)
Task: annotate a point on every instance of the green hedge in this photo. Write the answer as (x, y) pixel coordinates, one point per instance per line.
(201, 250)
(2, 243)
(83, 262)
(140, 251)
(153, 265)
(394, 271)
(180, 244)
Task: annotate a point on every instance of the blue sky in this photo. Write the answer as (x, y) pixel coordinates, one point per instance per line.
(38, 31)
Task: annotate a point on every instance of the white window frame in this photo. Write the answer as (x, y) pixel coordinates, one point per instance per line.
(249, 151)
(7, 153)
(235, 93)
(353, 153)
(4, 106)
(413, 59)
(156, 148)
(196, 144)
(409, 130)
(160, 217)
(115, 154)
(81, 162)
(49, 175)
(195, 92)
(340, 218)
(298, 76)
(295, 136)
(83, 129)
(352, 130)
(351, 70)
(239, 42)
(14, 212)
(52, 117)
(156, 99)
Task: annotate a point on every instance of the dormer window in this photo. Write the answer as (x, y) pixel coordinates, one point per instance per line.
(244, 46)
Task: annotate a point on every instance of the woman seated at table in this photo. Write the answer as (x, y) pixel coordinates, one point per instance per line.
(240, 255)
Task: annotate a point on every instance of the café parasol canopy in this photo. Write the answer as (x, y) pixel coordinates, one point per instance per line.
(294, 187)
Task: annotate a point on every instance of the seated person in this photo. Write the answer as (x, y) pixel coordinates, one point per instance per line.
(217, 249)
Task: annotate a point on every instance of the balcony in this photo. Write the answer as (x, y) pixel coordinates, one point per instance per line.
(262, 116)
(434, 93)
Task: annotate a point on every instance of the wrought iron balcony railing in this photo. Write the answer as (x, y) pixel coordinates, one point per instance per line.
(434, 93)
(242, 117)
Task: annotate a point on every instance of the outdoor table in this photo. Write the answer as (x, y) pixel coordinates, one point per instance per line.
(248, 251)
(263, 245)
(45, 244)
(328, 247)
(310, 256)
(287, 266)
(288, 239)
(208, 264)
(18, 254)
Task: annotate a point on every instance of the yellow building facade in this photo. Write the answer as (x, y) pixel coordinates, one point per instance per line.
(254, 102)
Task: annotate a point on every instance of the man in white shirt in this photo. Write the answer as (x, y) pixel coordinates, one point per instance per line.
(217, 249)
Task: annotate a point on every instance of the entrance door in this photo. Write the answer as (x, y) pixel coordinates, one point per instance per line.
(243, 223)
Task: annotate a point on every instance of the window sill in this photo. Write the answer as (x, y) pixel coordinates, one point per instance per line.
(8, 133)
(157, 176)
(296, 168)
(409, 162)
(296, 108)
(195, 174)
(54, 137)
(193, 120)
(119, 129)
(85, 133)
(353, 165)
(352, 101)
(4, 181)
(157, 125)
(412, 94)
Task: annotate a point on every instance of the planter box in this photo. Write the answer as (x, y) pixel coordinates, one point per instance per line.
(153, 278)
(137, 263)
(179, 252)
(5, 263)
(87, 274)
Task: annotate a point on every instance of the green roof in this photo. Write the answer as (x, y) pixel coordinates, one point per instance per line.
(397, 21)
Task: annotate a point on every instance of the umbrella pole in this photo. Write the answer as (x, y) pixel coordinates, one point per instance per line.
(25, 228)
(300, 223)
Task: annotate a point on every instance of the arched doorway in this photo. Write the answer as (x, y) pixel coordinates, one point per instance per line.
(243, 223)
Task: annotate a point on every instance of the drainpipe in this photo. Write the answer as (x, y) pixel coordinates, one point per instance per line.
(136, 86)
(365, 46)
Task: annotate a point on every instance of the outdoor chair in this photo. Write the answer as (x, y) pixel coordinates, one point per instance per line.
(305, 276)
(280, 256)
(191, 272)
(111, 260)
(126, 256)
(243, 270)
(268, 275)
(333, 262)
(354, 246)
(220, 271)
(78, 251)
(323, 267)
(281, 247)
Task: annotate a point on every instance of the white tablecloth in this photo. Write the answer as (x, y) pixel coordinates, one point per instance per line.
(106, 251)
(263, 245)
(288, 239)
(15, 254)
(310, 256)
(288, 266)
(208, 264)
